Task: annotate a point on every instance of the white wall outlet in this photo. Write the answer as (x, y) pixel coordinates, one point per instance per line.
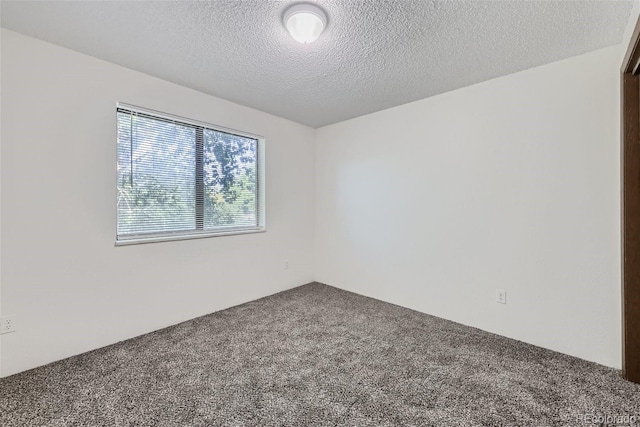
(8, 324)
(501, 296)
(286, 264)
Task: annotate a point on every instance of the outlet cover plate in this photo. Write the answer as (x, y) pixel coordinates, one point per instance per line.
(501, 296)
(8, 324)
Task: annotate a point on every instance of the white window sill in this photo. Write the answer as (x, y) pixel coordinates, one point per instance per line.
(170, 238)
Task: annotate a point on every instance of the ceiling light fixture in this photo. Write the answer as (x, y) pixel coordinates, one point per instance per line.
(305, 22)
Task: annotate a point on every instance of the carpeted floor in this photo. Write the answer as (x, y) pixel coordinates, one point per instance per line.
(317, 356)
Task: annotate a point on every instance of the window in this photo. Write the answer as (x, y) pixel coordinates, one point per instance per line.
(179, 178)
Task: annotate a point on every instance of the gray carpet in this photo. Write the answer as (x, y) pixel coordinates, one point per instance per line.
(316, 355)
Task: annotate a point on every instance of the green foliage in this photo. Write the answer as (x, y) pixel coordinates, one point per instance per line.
(149, 203)
(156, 188)
(236, 205)
(229, 179)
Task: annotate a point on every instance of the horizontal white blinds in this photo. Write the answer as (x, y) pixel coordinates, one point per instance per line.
(180, 177)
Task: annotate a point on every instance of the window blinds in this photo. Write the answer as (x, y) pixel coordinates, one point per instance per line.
(180, 178)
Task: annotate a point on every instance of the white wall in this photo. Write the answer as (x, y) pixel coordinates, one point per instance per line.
(71, 289)
(0, 202)
(508, 184)
(631, 24)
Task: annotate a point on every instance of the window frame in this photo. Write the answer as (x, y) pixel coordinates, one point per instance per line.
(139, 238)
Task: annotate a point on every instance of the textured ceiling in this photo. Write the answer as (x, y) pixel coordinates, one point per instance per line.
(374, 54)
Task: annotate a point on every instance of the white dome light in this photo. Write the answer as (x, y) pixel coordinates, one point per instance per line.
(305, 22)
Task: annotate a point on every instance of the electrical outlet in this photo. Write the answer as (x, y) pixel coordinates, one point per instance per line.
(286, 264)
(8, 324)
(501, 296)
